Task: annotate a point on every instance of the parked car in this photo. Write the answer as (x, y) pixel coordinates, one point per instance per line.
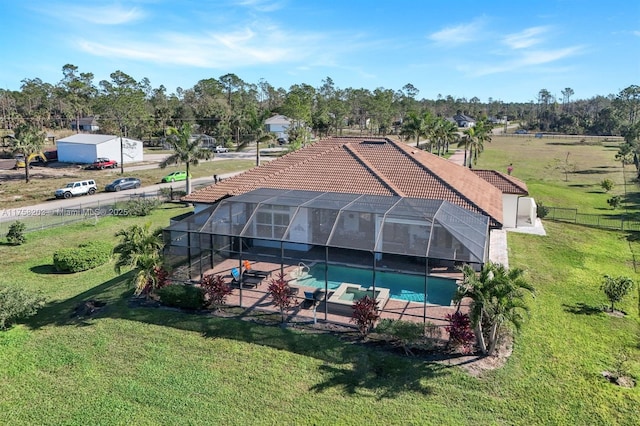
(521, 132)
(81, 187)
(282, 141)
(175, 176)
(123, 183)
(218, 149)
(103, 163)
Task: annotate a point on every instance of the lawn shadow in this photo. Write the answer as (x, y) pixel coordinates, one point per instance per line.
(349, 364)
(582, 309)
(44, 270)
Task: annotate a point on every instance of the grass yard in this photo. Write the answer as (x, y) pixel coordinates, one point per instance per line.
(150, 366)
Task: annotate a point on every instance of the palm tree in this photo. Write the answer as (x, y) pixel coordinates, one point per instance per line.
(140, 249)
(483, 134)
(255, 124)
(449, 133)
(497, 295)
(414, 127)
(28, 141)
(466, 142)
(186, 149)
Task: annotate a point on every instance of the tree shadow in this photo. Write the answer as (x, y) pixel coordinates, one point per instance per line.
(349, 364)
(45, 270)
(582, 309)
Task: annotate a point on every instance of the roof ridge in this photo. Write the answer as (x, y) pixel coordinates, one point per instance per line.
(439, 178)
(374, 171)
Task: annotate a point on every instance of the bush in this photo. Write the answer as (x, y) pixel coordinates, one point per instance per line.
(365, 314)
(460, 334)
(215, 290)
(16, 303)
(607, 185)
(139, 206)
(15, 235)
(616, 288)
(406, 333)
(614, 201)
(281, 294)
(172, 194)
(86, 256)
(182, 296)
(542, 210)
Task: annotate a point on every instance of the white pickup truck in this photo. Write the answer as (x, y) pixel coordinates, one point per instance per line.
(218, 149)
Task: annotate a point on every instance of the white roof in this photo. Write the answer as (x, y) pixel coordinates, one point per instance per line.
(87, 139)
(277, 119)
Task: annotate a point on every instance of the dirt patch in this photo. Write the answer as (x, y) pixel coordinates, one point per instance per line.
(619, 380)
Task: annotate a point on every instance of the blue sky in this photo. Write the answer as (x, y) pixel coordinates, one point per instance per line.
(504, 50)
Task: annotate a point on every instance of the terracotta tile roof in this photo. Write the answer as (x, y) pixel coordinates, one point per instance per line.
(376, 166)
(505, 183)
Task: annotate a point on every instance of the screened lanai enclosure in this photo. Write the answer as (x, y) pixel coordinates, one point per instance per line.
(342, 245)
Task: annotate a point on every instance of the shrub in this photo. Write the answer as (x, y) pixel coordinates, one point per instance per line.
(281, 294)
(542, 210)
(15, 235)
(406, 333)
(86, 256)
(215, 290)
(16, 303)
(614, 201)
(365, 314)
(616, 288)
(607, 185)
(172, 194)
(182, 296)
(139, 206)
(460, 334)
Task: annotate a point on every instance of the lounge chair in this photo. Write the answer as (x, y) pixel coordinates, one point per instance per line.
(247, 281)
(249, 271)
(311, 298)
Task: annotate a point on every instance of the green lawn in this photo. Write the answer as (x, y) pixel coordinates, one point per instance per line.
(149, 366)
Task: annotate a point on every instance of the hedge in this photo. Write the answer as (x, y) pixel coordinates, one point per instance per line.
(86, 256)
(182, 296)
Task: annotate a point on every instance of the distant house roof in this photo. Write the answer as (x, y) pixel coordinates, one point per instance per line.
(86, 121)
(505, 183)
(462, 118)
(376, 166)
(278, 120)
(87, 139)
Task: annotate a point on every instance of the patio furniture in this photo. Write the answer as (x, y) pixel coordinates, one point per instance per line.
(311, 298)
(249, 271)
(247, 281)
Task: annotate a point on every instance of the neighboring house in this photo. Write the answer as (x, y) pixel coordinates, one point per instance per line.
(278, 124)
(85, 148)
(86, 124)
(206, 141)
(464, 120)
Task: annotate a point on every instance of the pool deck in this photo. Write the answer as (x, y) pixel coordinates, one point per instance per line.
(258, 298)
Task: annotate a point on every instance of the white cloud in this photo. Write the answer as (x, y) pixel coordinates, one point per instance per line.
(262, 5)
(636, 33)
(526, 38)
(100, 15)
(459, 34)
(533, 58)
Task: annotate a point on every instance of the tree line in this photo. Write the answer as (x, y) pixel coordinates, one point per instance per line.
(233, 110)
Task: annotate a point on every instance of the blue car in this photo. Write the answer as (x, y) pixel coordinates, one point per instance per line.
(123, 183)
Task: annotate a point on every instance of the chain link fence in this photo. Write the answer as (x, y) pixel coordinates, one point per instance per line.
(614, 222)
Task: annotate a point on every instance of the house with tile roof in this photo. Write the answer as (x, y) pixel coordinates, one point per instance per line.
(378, 166)
(365, 204)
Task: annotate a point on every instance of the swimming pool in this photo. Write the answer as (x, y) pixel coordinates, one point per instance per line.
(440, 291)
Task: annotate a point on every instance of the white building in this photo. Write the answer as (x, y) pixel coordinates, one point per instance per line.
(278, 124)
(85, 148)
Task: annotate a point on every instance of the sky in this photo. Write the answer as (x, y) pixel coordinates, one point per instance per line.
(504, 50)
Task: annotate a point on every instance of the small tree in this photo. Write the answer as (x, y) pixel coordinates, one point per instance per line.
(460, 332)
(15, 235)
(281, 293)
(614, 201)
(215, 290)
(616, 288)
(542, 210)
(16, 303)
(365, 314)
(607, 185)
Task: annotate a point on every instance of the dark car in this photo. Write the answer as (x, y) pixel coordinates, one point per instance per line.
(521, 132)
(123, 183)
(282, 141)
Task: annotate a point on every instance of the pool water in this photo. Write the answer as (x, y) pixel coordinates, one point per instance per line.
(440, 291)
